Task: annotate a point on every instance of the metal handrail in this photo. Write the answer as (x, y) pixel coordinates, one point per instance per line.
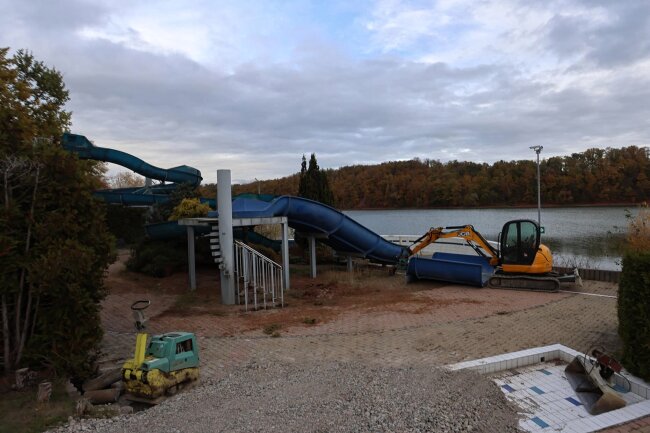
(261, 274)
(257, 253)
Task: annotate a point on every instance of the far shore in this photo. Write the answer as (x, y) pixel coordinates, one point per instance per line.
(520, 206)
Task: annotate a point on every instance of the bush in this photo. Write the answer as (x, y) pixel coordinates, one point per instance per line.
(158, 258)
(126, 223)
(189, 208)
(634, 312)
(634, 296)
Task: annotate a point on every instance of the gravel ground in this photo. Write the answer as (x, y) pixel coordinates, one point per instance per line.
(326, 397)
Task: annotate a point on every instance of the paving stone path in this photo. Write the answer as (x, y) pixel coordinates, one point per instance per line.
(434, 338)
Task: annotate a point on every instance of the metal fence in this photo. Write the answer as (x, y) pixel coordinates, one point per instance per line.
(593, 274)
(259, 279)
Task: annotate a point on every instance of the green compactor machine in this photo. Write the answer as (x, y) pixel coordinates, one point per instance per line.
(162, 367)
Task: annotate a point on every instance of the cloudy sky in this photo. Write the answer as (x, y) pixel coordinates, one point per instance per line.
(252, 85)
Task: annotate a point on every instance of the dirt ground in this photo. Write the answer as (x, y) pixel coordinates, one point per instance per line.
(367, 316)
(367, 297)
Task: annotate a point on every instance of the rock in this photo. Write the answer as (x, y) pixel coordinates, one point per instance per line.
(22, 378)
(72, 390)
(82, 406)
(126, 410)
(44, 392)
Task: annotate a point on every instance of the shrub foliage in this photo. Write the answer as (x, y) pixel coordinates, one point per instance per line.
(634, 297)
(54, 245)
(189, 208)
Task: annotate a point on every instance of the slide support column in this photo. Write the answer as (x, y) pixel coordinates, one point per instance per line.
(224, 205)
(285, 254)
(191, 261)
(312, 256)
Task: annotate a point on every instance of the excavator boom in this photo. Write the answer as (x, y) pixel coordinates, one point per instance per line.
(466, 232)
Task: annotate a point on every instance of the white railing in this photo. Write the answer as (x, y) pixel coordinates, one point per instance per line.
(259, 279)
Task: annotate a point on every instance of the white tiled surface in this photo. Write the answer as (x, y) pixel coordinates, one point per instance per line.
(522, 371)
(551, 405)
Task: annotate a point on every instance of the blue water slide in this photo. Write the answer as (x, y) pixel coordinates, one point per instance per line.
(332, 227)
(80, 145)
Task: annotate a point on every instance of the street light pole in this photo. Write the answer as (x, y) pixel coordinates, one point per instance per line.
(537, 150)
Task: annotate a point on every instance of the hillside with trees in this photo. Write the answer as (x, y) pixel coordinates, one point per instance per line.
(595, 176)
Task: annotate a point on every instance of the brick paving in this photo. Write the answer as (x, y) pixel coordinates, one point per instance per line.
(501, 321)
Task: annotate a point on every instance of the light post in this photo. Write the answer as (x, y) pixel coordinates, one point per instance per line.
(537, 150)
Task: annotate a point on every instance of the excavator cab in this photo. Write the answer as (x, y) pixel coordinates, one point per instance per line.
(521, 250)
(520, 241)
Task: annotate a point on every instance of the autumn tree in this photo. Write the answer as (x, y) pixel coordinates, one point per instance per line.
(53, 241)
(125, 179)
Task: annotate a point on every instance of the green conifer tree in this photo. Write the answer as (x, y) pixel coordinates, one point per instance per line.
(314, 184)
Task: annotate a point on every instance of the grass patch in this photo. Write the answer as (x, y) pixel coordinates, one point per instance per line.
(309, 321)
(20, 413)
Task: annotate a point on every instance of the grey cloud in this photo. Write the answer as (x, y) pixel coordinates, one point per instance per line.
(622, 39)
(45, 15)
(260, 118)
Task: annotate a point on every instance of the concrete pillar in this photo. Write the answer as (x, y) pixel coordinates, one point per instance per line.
(191, 262)
(312, 256)
(224, 205)
(350, 268)
(285, 255)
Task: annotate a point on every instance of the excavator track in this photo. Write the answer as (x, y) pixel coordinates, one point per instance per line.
(524, 282)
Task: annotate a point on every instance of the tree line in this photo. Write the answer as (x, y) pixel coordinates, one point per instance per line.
(595, 176)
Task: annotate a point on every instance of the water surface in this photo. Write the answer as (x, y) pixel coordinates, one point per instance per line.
(578, 236)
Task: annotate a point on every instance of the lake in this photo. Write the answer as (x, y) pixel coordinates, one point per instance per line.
(588, 237)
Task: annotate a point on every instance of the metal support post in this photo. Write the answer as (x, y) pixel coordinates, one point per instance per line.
(191, 262)
(312, 256)
(350, 267)
(224, 205)
(537, 150)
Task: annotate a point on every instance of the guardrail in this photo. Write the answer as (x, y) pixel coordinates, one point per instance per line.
(259, 279)
(593, 274)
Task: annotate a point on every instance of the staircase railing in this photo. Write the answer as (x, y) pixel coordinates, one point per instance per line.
(259, 279)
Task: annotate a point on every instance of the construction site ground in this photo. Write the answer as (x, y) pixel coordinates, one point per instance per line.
(367, 316)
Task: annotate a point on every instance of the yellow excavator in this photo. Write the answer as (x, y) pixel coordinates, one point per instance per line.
(521, 261)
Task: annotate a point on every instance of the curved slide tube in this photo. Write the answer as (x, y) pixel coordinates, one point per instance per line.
(332, 227)
(80, 145)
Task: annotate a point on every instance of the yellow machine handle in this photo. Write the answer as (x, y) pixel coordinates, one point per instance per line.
(140, 347)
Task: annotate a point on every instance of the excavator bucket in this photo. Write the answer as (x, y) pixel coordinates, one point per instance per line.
(592, 390)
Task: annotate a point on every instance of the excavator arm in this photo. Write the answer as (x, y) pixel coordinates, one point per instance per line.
(467, 232)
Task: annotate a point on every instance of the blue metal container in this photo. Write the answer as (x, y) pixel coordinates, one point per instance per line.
(452, 268)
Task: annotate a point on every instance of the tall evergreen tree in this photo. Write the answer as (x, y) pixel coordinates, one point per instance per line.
(54, 245)
(314, 184)
(303, 173)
